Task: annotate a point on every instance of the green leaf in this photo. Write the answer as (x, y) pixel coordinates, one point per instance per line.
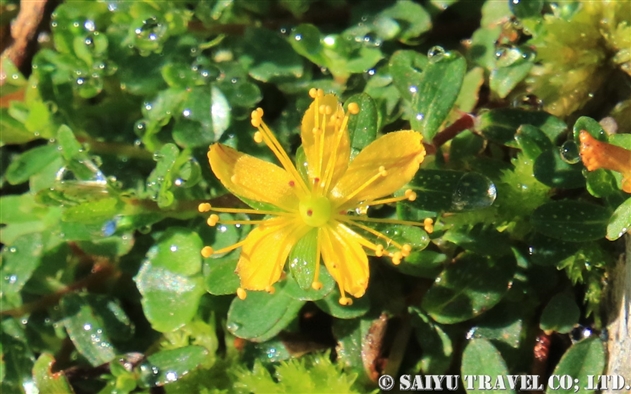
(423, 264)
(437, 346)
(406, 70)
(500, 125)
(526, 8)
(331, 305)
(551, 170)
(561, 314)
(177, 250)
(13, 131)
(469, 93)
(479, 358)
(468, 287)
(504, 79)
(30, 163)
(532, 141)
(437, 92)
(620, 221)
(19, 261)
(91, 212)
(167, 366)
(328, 284)
(303, 259)
(574, 221)
(170, 299)
(86, 328)
(591, 126)
(261, 315)
(270, 58)
(362, 127)
(412, 18)
(448, 190)
(45, 380)
(219, 275)
(583, 359)
(480, 239)
(160, 180)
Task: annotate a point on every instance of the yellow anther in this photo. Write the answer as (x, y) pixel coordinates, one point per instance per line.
(315, 130)
(207, 251)
(313, 92)
(396, 258)
(410, 195)
(353, 108)
(241, 294)
(212, 220)
(379, 251)
(270, 289)
(346, 301)
(316, 285)
(259, 111)
(322, 109)
(258, 137)
(428, 225)
(405, 250)
(234, 178)
(204, 207)
(382, 171)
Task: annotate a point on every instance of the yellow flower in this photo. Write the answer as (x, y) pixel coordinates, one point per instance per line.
(318, 202)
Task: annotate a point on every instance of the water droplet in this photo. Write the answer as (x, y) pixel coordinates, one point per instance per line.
(186, 113)
(171, 376)
(144, 229)
(436, 54)
(89, 41)
(298, 37)
(157, 157)
(139, 128)
(420, 117)
(569, 152)
(413, 89)
(13, 249)
(87, 326)
(89, 25)
(12, 279)
(506, 55)
(178, 182)
(233, 327)
(173, 248)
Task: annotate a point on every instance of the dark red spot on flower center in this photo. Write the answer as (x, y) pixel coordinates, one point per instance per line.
(292, 183)
(309, 212)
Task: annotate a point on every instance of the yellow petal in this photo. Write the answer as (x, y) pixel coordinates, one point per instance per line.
(345, 259)
(399, 154)
(252, 178)
(334, 147)
(265, 252)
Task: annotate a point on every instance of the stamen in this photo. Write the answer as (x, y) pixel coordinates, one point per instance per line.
(377, 220)
(270, 289)
(409, 195)
(258, 137)
(345, 300)
(229, 248)
(212, 220)
(353, 108)
(270, 140)
(381, 172)
(328, 174)
(428, 225)
(396, 258)
(405, 250)
(203, 207)
(379, 251)
(316, 284)
(207, 251)
(247, 211)
(241, 293)
(389, 240)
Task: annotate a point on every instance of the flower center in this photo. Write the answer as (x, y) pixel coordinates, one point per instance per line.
(315, 211)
